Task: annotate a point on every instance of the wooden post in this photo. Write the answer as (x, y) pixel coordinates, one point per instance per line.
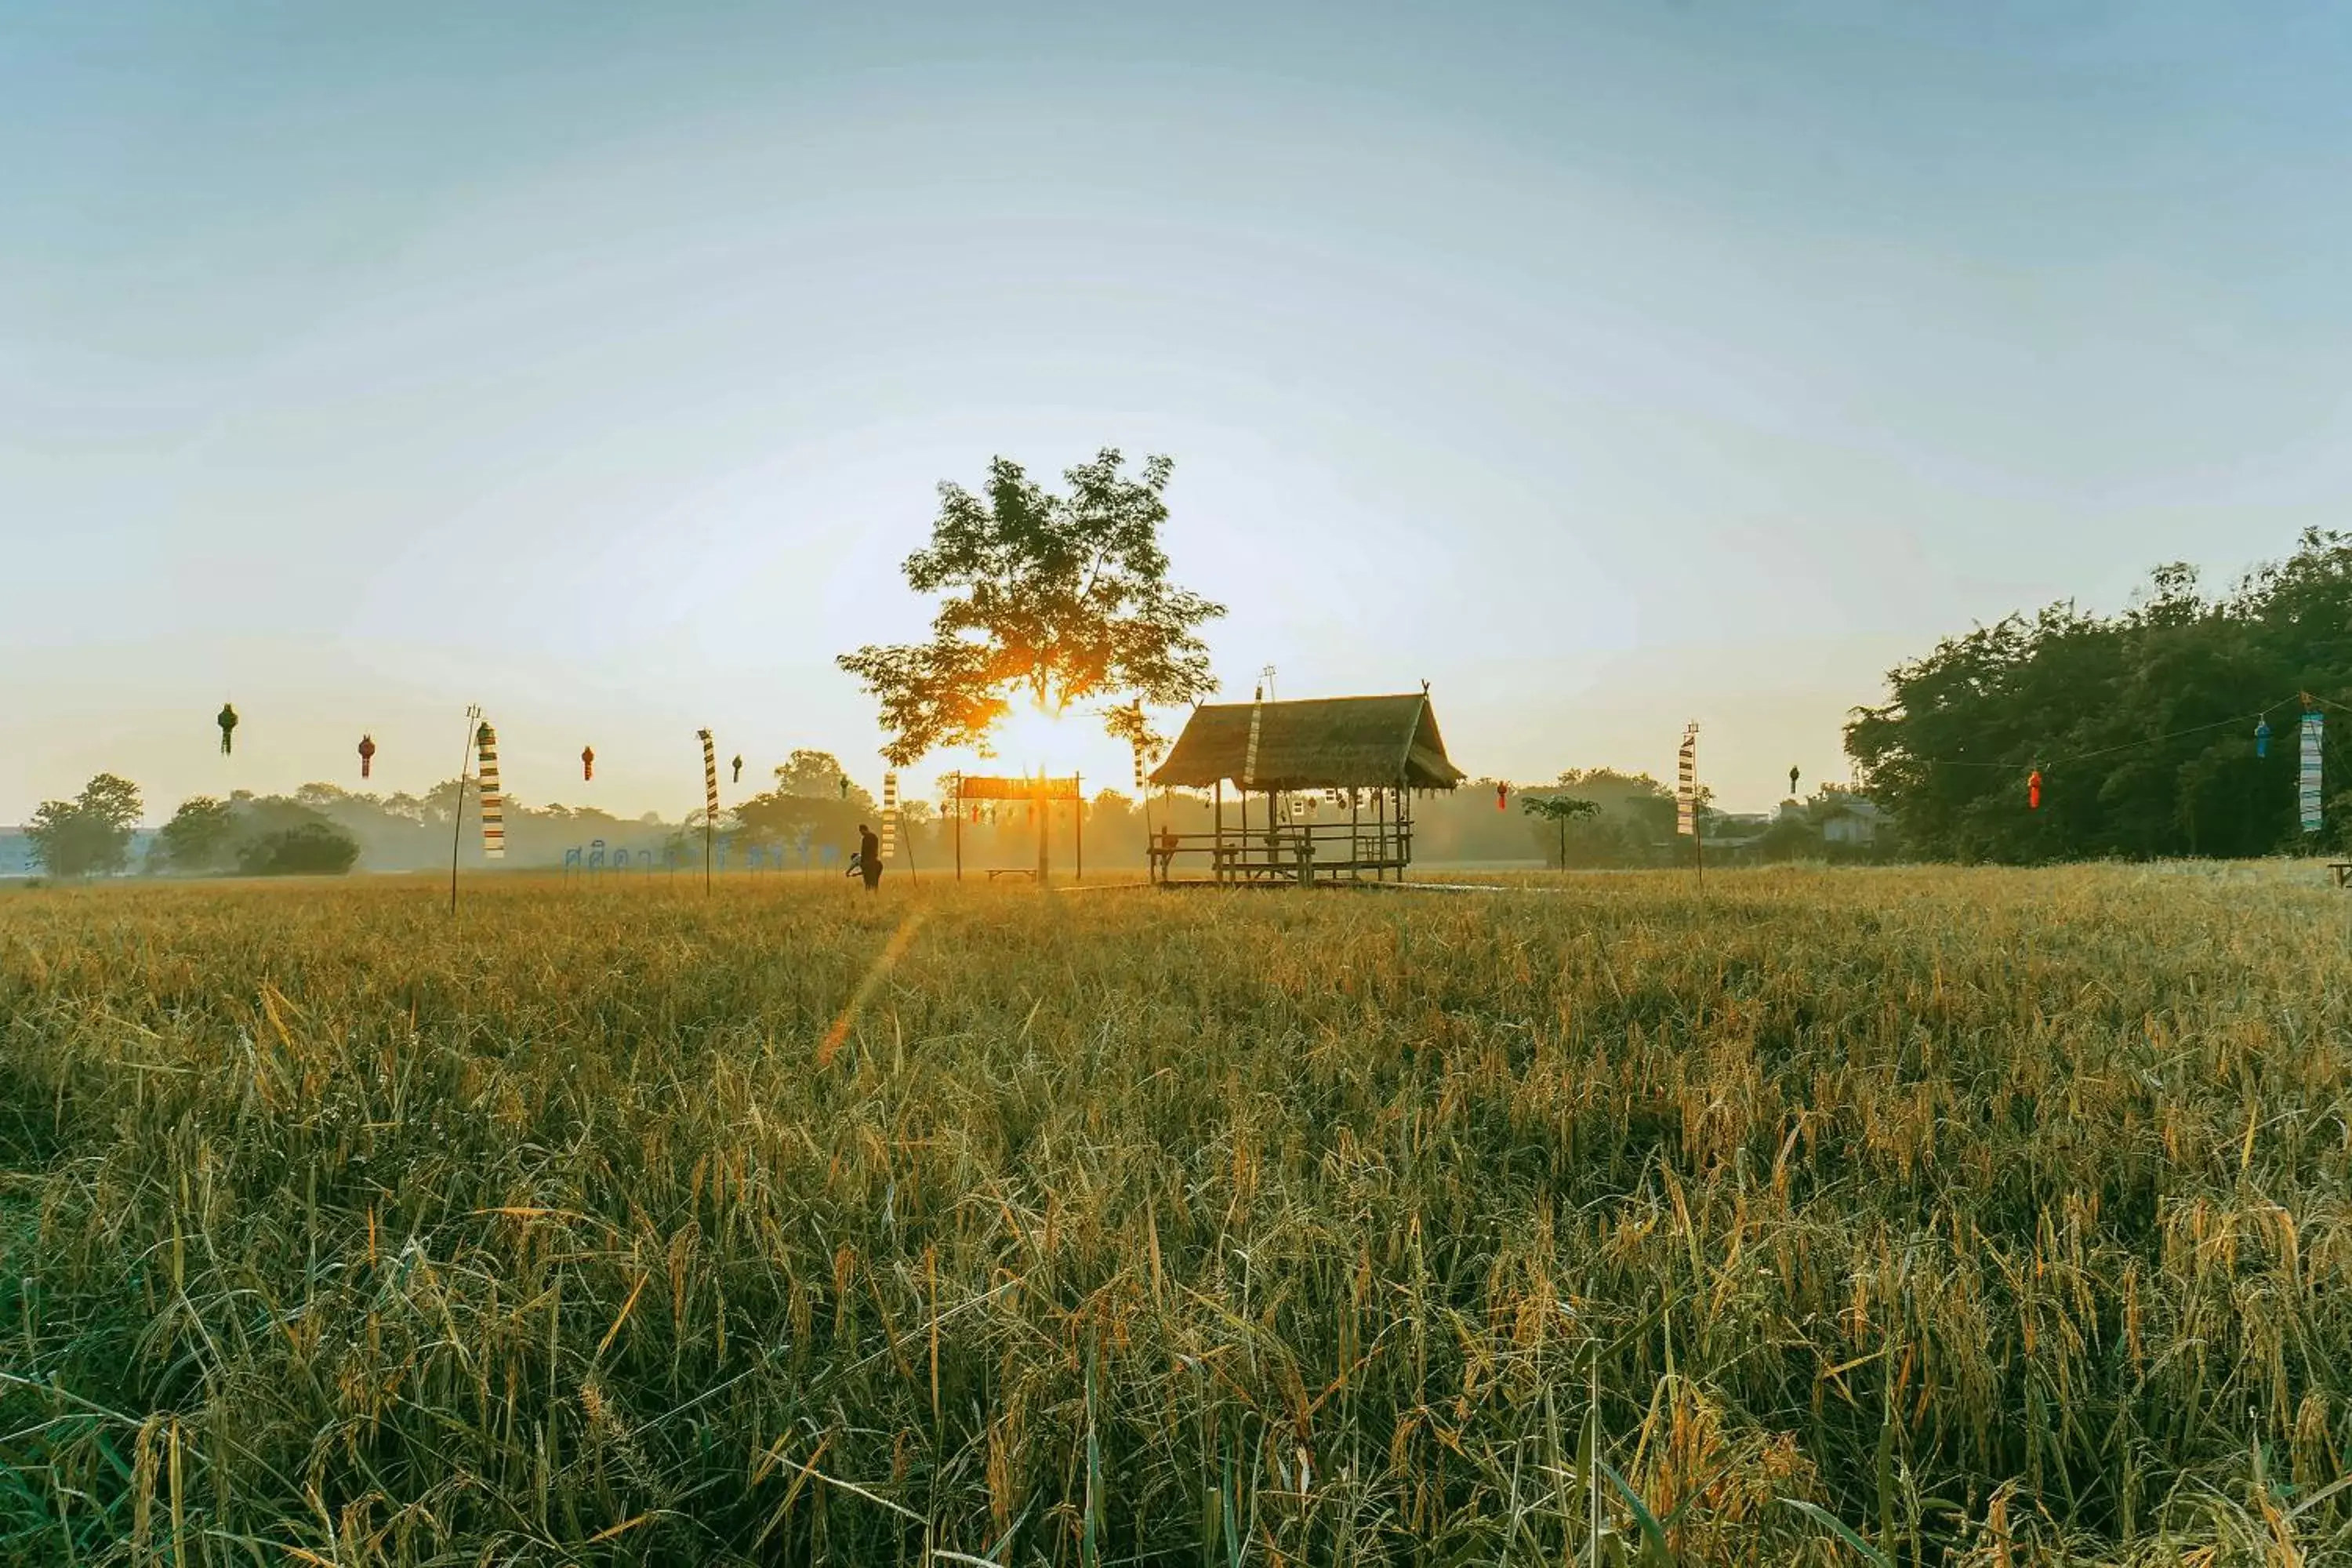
(1218, 853)
(1079, 821)
(1380, 853)
(959, 827)
(1043, 810)
(1244, 852)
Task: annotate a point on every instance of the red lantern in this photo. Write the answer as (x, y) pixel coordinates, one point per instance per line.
(2034, 790)
(1502, 797)
(587, 761)
(367, 753)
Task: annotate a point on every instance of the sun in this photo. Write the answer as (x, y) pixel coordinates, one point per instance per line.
(1031, 737)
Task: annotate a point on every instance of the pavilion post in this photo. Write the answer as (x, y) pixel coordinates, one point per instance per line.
(1078, 823)
(1220, 823)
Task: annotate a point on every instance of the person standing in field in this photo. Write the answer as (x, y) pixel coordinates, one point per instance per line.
(869, 856)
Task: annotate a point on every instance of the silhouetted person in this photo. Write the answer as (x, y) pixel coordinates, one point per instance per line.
(869, 856)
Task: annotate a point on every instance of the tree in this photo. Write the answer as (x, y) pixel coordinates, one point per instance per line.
(199, 837)
(1559, 810)
(809, 774)
(2140, 724)
(89, 834)
(1061, 599)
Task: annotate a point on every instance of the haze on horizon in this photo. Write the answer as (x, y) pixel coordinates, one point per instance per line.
(1606, 365)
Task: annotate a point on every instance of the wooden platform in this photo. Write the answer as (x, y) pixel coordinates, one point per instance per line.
(1293, 854)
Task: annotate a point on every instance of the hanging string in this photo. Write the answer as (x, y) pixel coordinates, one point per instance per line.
(2258, 715)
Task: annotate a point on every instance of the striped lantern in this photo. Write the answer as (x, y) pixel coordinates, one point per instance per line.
(494, 818)
(2308, 794)
(709, 777)
(1686, 783)
(889, 816)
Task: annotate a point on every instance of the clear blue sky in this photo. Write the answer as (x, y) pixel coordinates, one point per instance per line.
(1608, 365)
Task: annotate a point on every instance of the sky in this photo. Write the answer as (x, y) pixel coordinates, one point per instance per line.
(1606, 365)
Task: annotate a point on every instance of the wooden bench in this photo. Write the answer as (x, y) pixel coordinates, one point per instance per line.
(996, 871)
(2343, 869)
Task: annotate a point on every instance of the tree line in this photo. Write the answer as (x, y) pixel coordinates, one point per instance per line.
(2142, 725)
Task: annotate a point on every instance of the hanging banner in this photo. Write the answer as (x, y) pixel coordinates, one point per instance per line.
(889, 814)
(494, 814)
(985, 786)
(710, 779)
(1249, 763)
(1686, 783)
(2313, 727)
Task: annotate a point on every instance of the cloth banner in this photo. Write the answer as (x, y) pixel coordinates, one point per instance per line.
(710, 779)
(889, 816)
(1249, 763)
(494, 816)
(1686, 784)
(2312, 726)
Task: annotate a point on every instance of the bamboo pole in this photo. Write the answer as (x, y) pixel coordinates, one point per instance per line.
(457, 811)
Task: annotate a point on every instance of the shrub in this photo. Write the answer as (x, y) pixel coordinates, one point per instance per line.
(313, 849)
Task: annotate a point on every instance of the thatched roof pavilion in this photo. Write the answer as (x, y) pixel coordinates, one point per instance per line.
(1332, 743)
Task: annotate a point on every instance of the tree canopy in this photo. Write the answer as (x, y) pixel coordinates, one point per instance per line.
(1060, 599)
(88, 834)
(2141, 724)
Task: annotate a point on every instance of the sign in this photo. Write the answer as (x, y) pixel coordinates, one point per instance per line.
(983, 787)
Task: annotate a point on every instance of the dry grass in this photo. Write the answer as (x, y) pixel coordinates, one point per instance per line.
(2002, 1216)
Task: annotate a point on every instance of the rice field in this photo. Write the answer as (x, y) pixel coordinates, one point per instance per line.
(1903, 1217)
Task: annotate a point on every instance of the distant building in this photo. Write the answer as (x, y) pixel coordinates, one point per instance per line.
(1850, 820)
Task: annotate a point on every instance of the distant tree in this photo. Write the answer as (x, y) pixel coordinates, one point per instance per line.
(1060, 600)
(89, 835)
(811, 774)
(201, 835)
(1559, 810)
(313, 849)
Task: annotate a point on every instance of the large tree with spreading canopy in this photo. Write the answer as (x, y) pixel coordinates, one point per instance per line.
(1061, 601)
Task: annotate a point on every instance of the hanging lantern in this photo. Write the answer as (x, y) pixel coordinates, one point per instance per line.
(1502, 797)
(367, 753)
(845, 788)
(587, 762)
(2262, 739)
(2034, 790)
(738, 768)
(227, 723)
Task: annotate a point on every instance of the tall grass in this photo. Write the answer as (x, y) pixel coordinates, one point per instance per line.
(1912, 1216)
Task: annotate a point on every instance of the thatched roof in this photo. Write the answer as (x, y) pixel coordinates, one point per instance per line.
(1334, 742)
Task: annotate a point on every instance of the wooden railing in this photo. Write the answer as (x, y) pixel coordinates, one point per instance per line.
(1290, 852)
